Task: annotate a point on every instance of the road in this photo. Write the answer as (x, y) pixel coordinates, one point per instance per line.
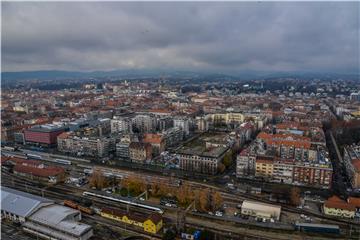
(339, 183)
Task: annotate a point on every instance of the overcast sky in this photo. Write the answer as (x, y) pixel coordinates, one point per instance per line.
(223, 37)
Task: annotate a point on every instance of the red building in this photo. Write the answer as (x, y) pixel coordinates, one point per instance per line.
(43, 134)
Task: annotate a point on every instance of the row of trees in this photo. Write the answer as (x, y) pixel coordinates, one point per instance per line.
(205, 199)
(290, 194)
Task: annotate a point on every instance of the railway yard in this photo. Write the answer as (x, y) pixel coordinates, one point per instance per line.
(236, 228)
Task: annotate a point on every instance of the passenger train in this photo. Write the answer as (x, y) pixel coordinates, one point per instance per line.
(135, 204)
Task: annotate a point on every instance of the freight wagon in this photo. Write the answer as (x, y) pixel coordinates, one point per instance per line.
(79, 207)
(317, 228)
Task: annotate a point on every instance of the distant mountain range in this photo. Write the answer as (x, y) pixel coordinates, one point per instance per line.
(56, 74)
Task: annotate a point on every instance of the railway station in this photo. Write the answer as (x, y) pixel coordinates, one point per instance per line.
(42, 217)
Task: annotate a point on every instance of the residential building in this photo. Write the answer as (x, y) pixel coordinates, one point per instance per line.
(352, 164)
(172, 136)
(264, 166)
(156, 141)
(286, 158)
(87, 146)
(202, 124)
(204, 154)
(140, 152)
(182, 123)
(226, 118)
(144, 123)
(121, 124)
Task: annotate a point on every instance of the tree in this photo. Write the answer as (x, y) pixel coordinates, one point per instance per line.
(281, 192)
(204, 200)
(221, 168)
(135, 184)
(98, 180)
(228, 158)
(217, 200)
(185, 195)
(295, 196)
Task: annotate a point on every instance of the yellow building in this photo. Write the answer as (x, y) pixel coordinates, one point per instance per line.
(151, 224)
(335, 206)
(264, 167)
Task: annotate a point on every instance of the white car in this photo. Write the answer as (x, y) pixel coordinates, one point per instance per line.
(219, 214)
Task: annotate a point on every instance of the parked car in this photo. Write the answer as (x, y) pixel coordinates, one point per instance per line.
(219, 214)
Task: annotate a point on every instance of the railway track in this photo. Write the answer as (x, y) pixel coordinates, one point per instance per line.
(62, 192)
(93, 220)
(60, 196)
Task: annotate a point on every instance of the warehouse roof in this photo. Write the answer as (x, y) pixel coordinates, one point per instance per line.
(59, 217)
(21, 203)
(262, 207)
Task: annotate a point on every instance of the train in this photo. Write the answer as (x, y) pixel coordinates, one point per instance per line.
(131, 203)
(79, 207)
(62, 161)
(10, 149)
(33, 156)
(317, 228)
(111, 174)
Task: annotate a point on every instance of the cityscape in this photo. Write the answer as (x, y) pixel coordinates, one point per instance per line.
(180, 120)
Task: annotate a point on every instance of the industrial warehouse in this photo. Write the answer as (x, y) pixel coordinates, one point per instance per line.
(261, 210)
(42, 217)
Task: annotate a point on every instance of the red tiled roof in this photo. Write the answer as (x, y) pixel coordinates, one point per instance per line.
(40, 172)
(63, 135)
(356, 164)
(285, 139)
(355, 201)
(152, 138)
(336, 202)
(263, 159)
(160, 111)
(20, 161)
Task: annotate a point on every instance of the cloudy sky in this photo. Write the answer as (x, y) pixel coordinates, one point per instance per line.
(226, 37)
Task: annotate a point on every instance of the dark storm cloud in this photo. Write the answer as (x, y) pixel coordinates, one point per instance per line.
(206, 36)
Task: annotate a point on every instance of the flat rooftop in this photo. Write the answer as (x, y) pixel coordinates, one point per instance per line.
(198, 145)
(46, 128)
